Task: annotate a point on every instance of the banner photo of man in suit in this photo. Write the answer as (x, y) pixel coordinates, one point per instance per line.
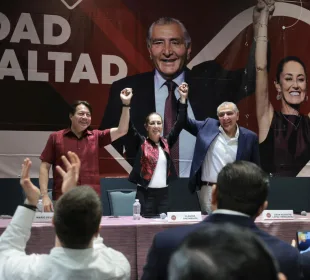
(55, 52)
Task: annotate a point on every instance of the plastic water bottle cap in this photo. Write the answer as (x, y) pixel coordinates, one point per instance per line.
(137, 200)
(303, 213)
(163, 216)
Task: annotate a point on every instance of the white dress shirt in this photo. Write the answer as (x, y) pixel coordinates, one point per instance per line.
(99, 262)
(186, 140)
(159, 178)
(222, 150)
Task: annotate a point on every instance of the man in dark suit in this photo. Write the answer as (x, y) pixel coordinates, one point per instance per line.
(169, 46)
(239, 254)
(238, 198)
(218, 143)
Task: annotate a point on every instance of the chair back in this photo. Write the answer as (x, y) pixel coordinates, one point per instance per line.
(121, 201)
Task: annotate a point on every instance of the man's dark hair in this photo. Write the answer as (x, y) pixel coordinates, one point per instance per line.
(286, 59)
(242, 186)
(222, 252)
(77, 217)
(77, 103)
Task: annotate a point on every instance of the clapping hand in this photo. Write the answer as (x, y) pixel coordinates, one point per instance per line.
(183, 91)
(31, 191)
(71, 175)
(126, 95)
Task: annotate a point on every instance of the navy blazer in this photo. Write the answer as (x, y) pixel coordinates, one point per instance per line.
(205, 132)
(166, 242)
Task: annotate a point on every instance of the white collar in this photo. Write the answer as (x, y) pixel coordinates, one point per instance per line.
(226, 136)
(160, 81)
(229, 212)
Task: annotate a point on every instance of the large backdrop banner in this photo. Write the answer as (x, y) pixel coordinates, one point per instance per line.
(53, 52)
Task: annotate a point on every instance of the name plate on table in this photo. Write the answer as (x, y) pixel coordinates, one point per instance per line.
(184, 216)
(43, 217)
(278, 215)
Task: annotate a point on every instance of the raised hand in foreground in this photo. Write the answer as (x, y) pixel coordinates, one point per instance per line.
(32, 193)
(71, 175)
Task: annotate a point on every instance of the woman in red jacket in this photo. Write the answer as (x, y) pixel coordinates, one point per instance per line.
(153, 166)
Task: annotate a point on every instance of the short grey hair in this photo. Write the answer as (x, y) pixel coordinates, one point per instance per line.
(227, 103)
(166, 21)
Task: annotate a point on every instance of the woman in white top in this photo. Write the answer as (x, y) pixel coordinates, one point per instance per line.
(153, 166)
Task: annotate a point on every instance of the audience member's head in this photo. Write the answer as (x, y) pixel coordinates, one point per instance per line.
(77, 217)
(242, 186)
(223, 252)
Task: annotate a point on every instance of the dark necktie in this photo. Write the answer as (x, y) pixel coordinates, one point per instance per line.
(169, 120)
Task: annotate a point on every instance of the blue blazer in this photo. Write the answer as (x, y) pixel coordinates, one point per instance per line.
(166, 242)
(205, 132)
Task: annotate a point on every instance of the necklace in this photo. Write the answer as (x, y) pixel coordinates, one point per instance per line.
(296, 126)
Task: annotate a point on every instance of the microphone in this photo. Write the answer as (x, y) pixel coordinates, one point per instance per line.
(303, 213)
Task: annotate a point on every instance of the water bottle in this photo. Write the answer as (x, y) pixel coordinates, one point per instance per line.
(40, 206)
(136, 210)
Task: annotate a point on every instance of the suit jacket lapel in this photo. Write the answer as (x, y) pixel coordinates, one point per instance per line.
(241, 143)
(143, 98)
(209, 132)
(147, 94)
(192, 97)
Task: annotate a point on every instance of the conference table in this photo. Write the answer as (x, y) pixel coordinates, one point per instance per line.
(134, 238)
